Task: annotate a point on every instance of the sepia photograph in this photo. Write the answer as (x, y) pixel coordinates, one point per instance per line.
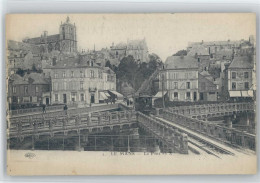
(131, 94)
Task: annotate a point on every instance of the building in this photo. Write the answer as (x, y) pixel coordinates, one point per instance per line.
(207, 88)
(30, 90)
(240, 77)
(80, 81)
(22, 55)
(179, 78)
(137, 48)
(64, 41)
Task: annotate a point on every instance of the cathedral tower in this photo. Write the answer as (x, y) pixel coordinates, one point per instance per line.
(68, 37)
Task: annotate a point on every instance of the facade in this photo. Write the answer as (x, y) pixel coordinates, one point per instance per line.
(240, 80)
(31, 89)
(207, 89)
(180, 78)
(137, 48)
(65, 41)
(82, 82)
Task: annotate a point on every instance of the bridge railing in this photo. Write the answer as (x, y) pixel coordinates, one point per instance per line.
(68, 122)
(164, 131)
(211, 108)
(61, 112)
(217, 132)
(35, 109)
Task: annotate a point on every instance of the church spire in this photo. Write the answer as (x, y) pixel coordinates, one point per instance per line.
(68, 19)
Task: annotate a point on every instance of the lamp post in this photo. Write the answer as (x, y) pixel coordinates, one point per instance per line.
(163, 90)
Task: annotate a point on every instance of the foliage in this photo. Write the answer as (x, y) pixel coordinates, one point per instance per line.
(180, 53)
(133, 73)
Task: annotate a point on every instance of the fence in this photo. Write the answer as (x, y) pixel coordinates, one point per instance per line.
(226, 135)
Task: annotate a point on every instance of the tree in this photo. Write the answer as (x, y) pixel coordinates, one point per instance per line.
(20, 72)
(127, 70)
(180, 53)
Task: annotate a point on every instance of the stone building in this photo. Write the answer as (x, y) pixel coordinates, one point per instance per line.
(207, 88)
(31, 89)
(80, 81)
(64, 41)
(180, 78)
(240, 77)
(137, 48)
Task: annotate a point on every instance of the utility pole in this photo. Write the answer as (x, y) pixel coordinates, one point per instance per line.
(163, 90)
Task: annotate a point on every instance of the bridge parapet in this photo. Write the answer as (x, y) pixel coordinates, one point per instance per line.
(174, 139)
(73, 111)
(62, 123)
(226, 135)
(212, 109)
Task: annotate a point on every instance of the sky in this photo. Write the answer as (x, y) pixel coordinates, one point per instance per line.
(165, 34)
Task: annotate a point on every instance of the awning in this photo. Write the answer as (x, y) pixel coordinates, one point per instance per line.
(107, 94)
(119, 95)
(234, 93)
(159, 94)
(248, 93)
(102, 96)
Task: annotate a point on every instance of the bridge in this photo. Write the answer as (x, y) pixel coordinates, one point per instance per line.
(175, 130)
(212, 110)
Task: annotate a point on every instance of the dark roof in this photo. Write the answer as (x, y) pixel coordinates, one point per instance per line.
(241, 62)
(181, 62)
(38, 40)
(36, 78)
(72, 62)
(199, 50)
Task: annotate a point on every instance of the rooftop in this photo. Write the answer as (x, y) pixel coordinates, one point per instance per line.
(241, 62)
(181, 62)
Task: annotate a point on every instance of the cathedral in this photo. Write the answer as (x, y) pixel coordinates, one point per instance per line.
(65, 41)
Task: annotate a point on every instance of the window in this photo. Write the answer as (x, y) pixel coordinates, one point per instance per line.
(81, 85)
(14, 89)
(246, 75)
(36, 89)
(72, 74)
(26, 89)
(92, 74)
(81, 74)
(175, 94)
(82, 96)
(234, 86)
(56, 75)
(175, 85)
(56, 97)
(199, 60)
(234, 75)
(63, 74)
(100, 74)
(188, 95)
(188, 85)
(246, 85)
(73, 97)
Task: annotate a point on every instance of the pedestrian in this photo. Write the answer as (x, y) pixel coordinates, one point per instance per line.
(43, 108)
(65, 109)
